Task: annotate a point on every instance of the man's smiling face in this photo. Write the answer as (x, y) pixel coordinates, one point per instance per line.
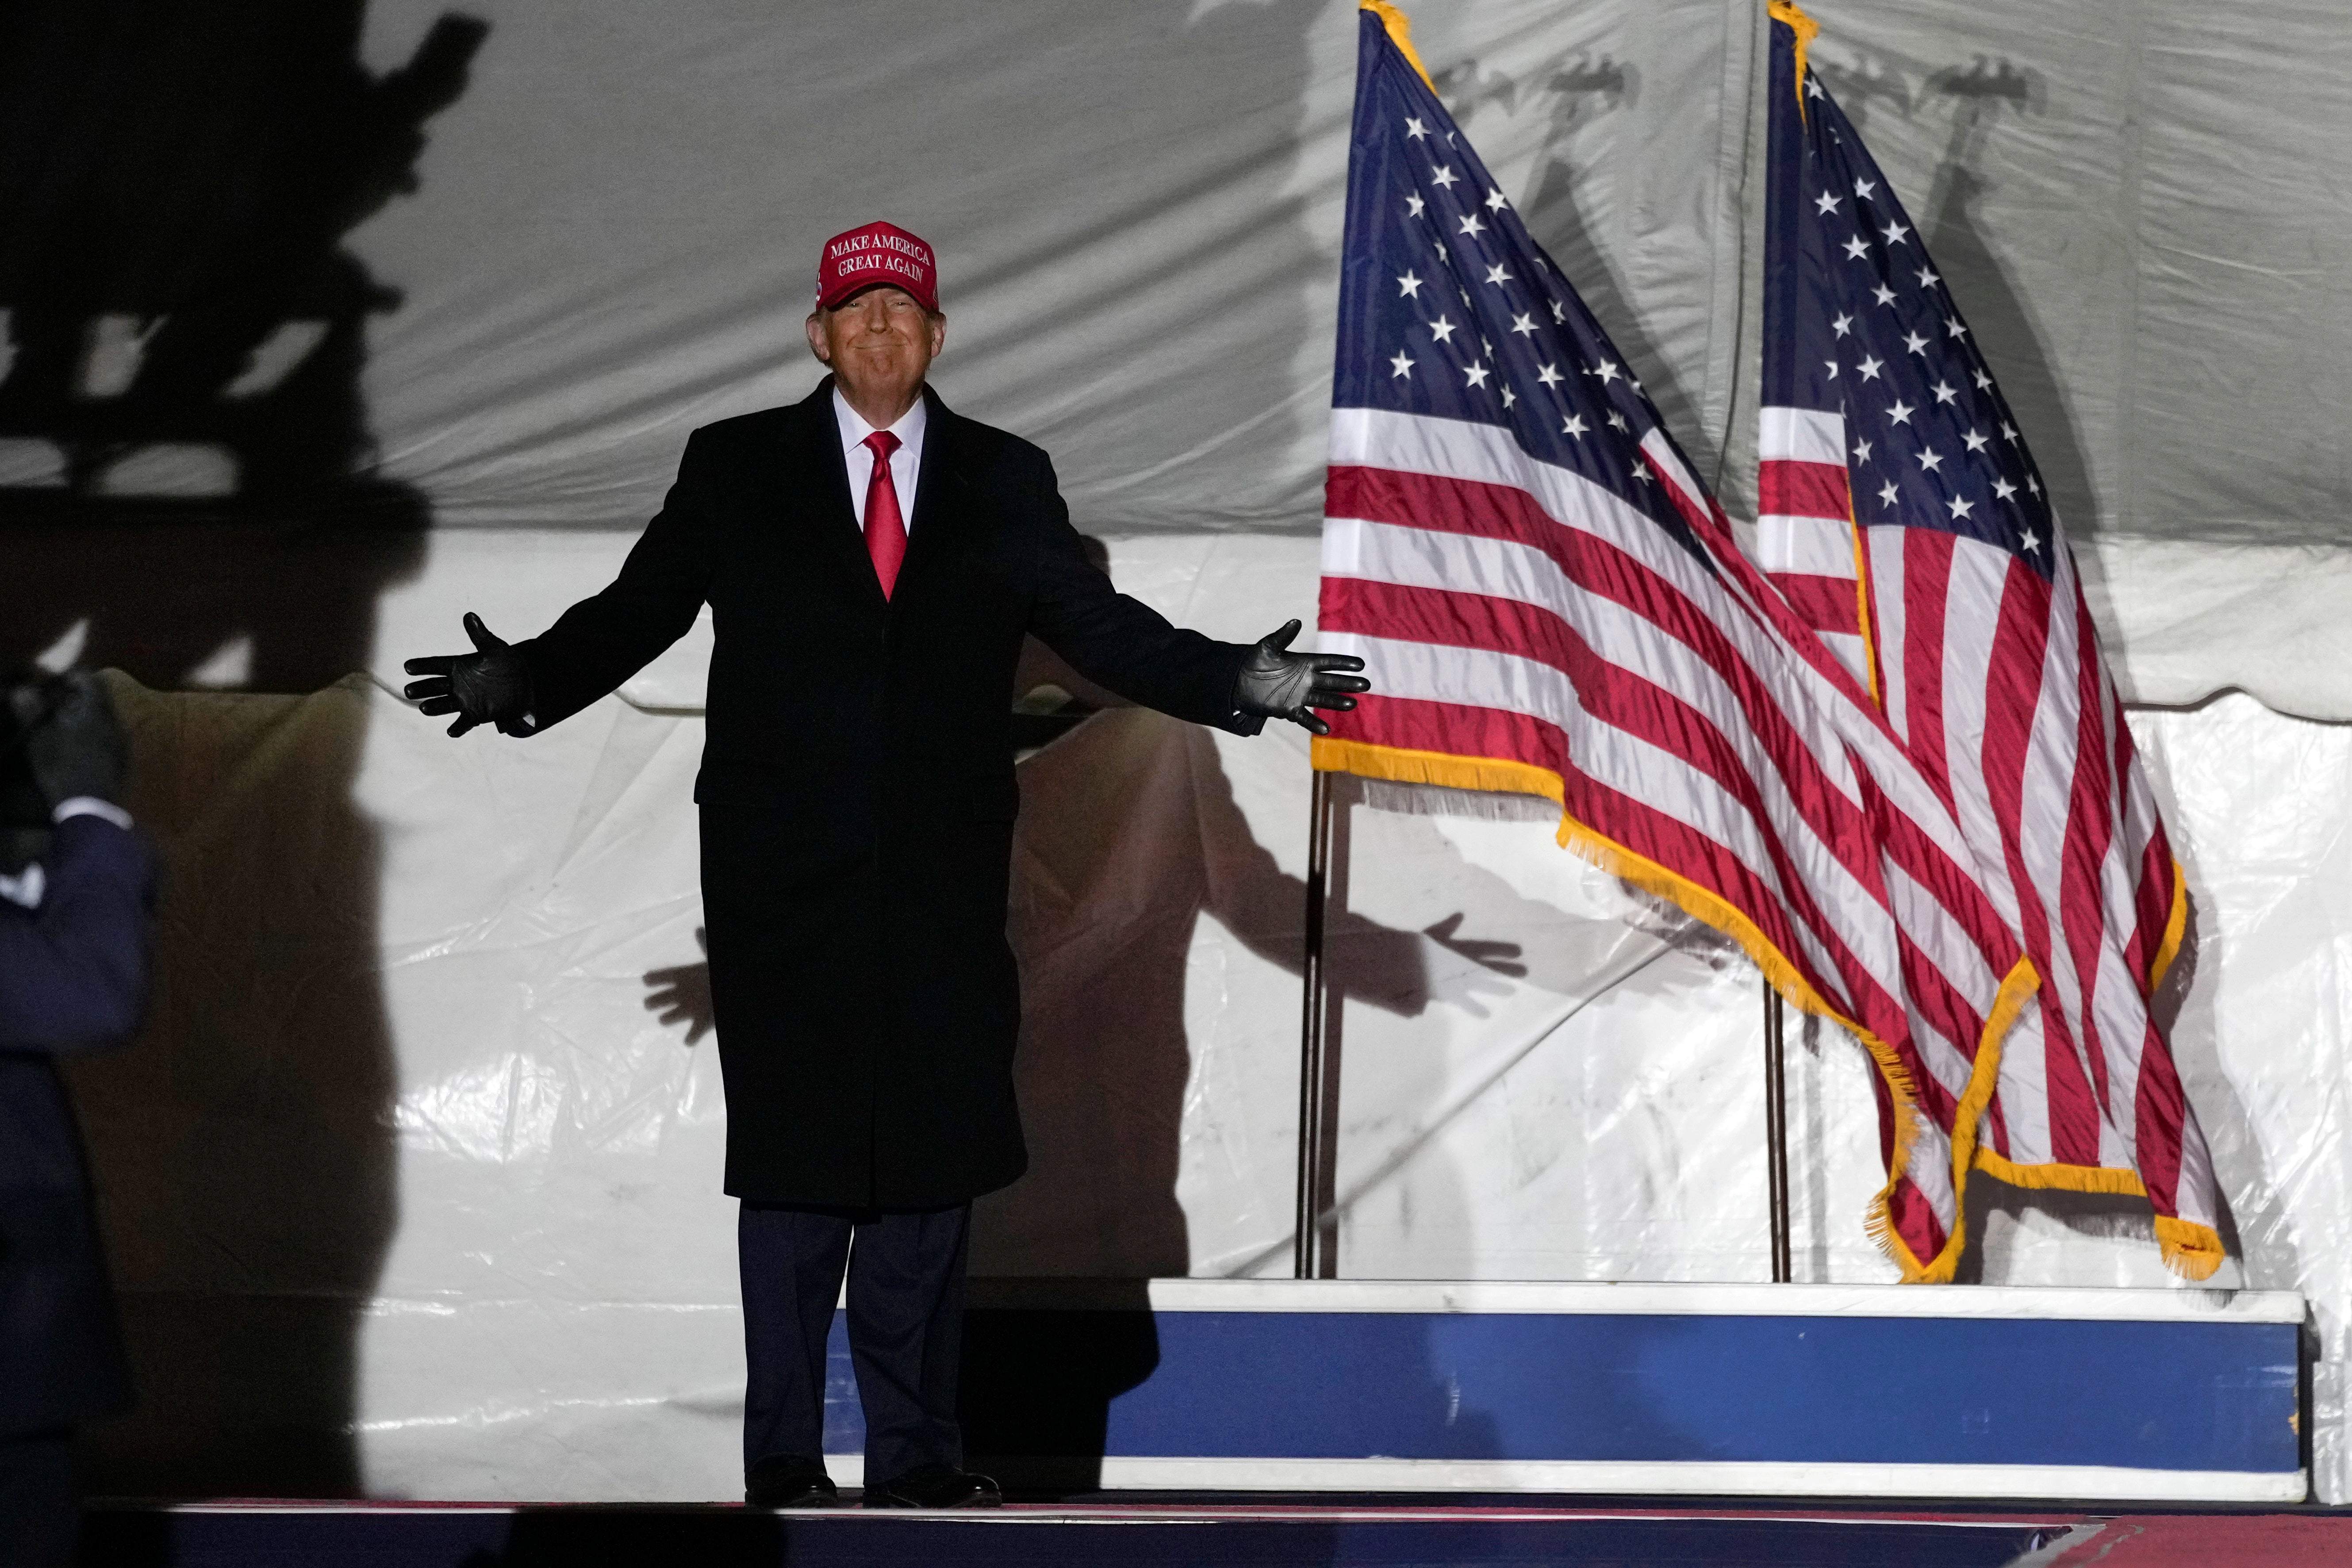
(880, 344)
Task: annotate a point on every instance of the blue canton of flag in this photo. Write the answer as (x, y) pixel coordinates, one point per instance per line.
(1448, 308)
(1930, 441)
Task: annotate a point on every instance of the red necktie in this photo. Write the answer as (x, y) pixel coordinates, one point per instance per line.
(886, 529)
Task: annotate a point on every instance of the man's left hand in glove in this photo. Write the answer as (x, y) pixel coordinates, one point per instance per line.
(1278, 684)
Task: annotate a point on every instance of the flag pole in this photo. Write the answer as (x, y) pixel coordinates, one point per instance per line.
(1312, 1251)
(1776, 1133)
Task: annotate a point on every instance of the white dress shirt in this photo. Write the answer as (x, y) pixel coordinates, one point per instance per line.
(26, 888)
(906, 463)
(90, 806)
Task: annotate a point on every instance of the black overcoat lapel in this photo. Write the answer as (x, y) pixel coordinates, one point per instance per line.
(831, 514)
(931, 532)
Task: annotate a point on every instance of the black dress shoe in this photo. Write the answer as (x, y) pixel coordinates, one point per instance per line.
(783, 1480)
(935, 1486)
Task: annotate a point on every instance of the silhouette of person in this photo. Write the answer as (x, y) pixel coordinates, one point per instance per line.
(187, 494)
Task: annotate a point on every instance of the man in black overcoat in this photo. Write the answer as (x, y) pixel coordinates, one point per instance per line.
(872, 562)
(74, 882)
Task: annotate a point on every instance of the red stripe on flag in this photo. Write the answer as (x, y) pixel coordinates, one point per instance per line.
(1452, 729)
(1996, 1131)
(1412, 724)
(1927, 587)
(1908, 1213)
(1506, 625)
(1433, 616)
(2091, 806)
(2020, 637)
(1824, 603)
(1656, 715)
(2159, 1115)
(1912, 1219)
(2153, 902)
(1588, 560)
(1786, 487)
(2152, 890)
(1618, 698)
(1613, 697)
(1447, 506)
(1950, 886)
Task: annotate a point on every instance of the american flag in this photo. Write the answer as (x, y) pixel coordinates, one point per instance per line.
(1902, 513)
(1547, 601)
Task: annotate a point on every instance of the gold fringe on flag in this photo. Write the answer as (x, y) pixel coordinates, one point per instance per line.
(1499, 773)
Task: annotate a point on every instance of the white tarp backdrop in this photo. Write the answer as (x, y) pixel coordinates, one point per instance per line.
(327, 321)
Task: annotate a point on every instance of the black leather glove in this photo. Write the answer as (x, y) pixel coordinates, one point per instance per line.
(1280, 684)
(488, 685)
(78, 748)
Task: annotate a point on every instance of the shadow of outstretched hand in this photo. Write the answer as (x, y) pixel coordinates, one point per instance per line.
(1491, 966)
(682, 994)
(1502, 957)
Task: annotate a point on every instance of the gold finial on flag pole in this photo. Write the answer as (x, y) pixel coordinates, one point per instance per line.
(1400, 28)
(1804, 26)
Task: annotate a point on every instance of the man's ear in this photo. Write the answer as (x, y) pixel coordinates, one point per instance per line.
(816, 342)
(938, 332)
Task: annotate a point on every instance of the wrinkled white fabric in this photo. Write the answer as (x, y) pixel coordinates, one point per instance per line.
(487, 1114)
(1138, 214)
(427, 1088)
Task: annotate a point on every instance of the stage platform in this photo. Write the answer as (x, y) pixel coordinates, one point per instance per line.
(2101, 1395)
(1350, 1422)
(1460, 1532)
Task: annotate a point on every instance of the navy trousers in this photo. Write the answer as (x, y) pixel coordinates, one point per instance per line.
(905, 1330)
(40, 1512)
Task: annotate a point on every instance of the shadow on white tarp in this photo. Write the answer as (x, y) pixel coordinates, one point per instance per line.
(411, 1183)
(439, 1172)
(581, 236)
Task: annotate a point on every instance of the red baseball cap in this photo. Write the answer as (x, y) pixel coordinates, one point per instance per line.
(876, 253)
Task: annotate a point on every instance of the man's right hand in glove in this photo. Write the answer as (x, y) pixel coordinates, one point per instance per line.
(490, 686)
(78, 749)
